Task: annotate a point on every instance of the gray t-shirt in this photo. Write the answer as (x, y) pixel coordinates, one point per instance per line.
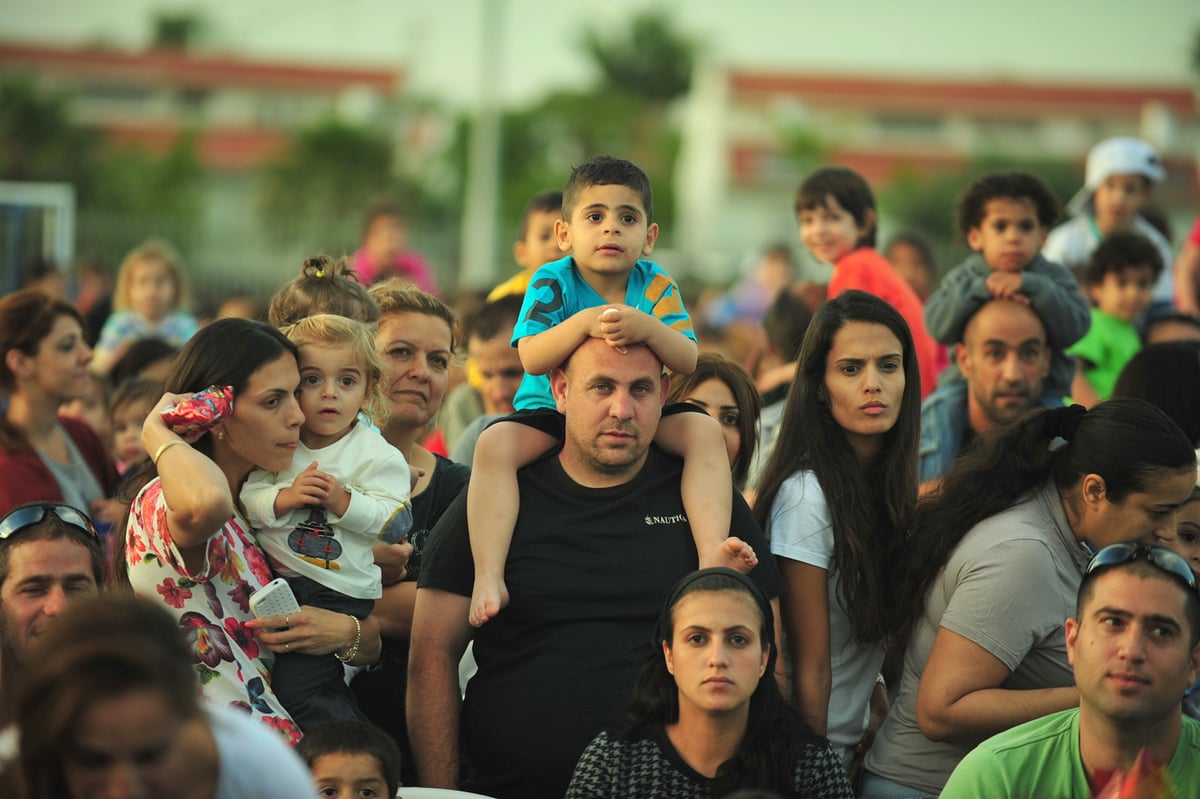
(75, 480)
(1008, 586)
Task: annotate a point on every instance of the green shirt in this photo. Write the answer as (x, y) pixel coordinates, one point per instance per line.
(1041, 759)
(1105, 349)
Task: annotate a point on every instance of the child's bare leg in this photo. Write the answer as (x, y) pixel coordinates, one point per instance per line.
(707, 488)
(493, 500)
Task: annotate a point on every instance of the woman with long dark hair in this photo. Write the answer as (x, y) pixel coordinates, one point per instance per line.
(707, 714)
(993, 567)
(185, 543)
(837, 499)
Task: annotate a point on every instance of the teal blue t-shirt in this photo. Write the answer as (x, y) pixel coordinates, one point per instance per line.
(557, 292)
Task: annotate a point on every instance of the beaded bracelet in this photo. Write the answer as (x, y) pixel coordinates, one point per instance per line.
(352, 652)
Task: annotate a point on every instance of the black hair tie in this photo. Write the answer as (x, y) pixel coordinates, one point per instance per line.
(1063, 422)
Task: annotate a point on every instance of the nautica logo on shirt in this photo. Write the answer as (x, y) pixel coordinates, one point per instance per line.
(676, 519)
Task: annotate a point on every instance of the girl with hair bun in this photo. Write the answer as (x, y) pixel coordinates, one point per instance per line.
(324, 285)
(994, 564)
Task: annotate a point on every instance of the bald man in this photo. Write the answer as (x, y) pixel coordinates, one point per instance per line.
(1005, 358)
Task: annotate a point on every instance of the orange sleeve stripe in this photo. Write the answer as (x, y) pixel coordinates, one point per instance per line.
(659, 286)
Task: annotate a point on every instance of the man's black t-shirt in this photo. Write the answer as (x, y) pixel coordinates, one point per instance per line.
(587, 573)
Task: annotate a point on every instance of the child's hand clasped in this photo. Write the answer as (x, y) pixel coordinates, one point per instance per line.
(1005, 286)
(622, 325)
(311, 487)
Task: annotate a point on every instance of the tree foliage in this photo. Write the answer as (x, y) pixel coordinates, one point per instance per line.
(650, 59)
(624, 113)
(38, 141)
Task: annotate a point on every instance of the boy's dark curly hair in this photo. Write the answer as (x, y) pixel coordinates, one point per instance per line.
(972, 203)
(1120, 251)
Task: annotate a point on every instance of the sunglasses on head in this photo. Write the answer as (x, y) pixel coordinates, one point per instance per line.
(27, 516)
(1159, 557)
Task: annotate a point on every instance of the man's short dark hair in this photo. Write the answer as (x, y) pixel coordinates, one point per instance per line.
(494, 317)
(53, 528)
(1145, 570)
(1121, 251)
(972, 203)
(604, 170)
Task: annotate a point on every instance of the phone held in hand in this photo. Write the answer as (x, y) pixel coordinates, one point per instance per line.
(274, 599)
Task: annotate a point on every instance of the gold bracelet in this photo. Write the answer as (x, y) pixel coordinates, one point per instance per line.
(352, 652)
(166, 445)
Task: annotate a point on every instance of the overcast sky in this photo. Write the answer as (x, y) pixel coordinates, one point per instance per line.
(438, 41)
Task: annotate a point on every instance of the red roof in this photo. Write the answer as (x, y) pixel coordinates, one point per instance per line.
(987, 97)
(226, 149)
(192, 70)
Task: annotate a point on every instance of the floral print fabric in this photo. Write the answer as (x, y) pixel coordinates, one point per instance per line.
(212, 606)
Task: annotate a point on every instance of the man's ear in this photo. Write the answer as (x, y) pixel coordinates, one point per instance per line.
(666, 387)
(1194, 665)
(1072, 629)
(558, 388)
(962, 357)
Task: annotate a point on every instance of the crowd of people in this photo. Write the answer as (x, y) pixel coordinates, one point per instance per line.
(920, 537)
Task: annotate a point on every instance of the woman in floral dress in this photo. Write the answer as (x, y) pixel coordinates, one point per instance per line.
(187, 544)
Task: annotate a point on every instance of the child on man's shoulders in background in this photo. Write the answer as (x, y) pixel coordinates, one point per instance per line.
(1004, 218)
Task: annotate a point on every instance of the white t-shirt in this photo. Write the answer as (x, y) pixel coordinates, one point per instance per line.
(254, 761)
(800, 530)
(1072, 242)
(377, 477)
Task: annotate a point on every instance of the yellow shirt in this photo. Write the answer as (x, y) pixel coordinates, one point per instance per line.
(517, 284)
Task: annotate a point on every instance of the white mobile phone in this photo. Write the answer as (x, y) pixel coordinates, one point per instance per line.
(274, 599)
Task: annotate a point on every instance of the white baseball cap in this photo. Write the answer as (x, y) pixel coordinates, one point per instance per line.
(1120, 155)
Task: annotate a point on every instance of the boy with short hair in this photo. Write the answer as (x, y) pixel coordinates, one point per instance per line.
(604, 290)
(1004, 217)
(538, 245)
(1120, 179)
(351, 758)
(1120, 281)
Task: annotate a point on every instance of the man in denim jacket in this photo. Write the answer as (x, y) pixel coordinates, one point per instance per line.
(1005, 359)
